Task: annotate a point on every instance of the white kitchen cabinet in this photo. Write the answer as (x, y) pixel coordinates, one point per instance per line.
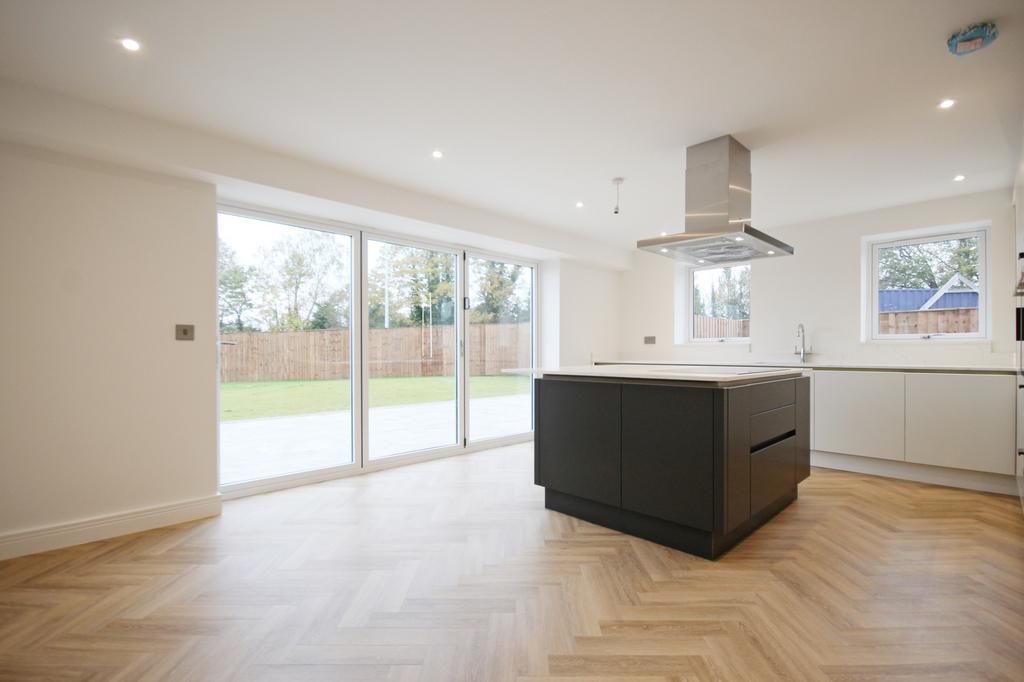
(859, 413)
(963, 421)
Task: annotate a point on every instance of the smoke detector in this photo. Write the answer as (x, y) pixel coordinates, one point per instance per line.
(972, 38)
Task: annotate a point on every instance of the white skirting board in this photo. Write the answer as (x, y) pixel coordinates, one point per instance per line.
(922, 473)
(20, 543)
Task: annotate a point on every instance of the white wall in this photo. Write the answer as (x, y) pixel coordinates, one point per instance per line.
(589, 313)
(820, 286)
(549, 303)
(579, 313)
(104, 417)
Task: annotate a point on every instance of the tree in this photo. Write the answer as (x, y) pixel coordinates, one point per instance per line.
(698, 303)
(300, 276)
(234, 289)
(330, 313)
(429, 278)
(499, 293)
(928, 265)
(729, 296)
(734, 284)
(410, 286)
(387, 301)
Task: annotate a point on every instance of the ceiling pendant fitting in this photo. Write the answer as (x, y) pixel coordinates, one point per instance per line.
(618, 183)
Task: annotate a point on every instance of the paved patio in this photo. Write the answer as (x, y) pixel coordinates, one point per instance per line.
(258, 448)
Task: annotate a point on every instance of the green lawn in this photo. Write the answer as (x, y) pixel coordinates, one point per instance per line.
(252, 399)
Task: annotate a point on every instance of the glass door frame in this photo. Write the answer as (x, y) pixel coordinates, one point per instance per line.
(242, 488)
(459, 318)
(534, 270)
(359, 361)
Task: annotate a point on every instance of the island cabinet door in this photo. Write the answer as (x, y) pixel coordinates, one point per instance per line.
(576, 443)
(668, 453)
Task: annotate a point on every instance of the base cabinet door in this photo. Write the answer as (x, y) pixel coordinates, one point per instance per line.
(962, 421)
(859, 413)
(668, 453)
(772, 473)
(577, 439)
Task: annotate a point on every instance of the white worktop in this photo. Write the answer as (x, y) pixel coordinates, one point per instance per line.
(823, 364)
(716, 375)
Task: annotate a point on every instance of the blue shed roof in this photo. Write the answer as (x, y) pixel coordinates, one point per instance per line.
(896, 300)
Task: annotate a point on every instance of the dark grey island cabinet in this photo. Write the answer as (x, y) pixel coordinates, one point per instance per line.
(693, 465)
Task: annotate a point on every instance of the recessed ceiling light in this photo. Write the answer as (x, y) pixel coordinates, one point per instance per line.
(664, 234)
(664, 250)
(959, 178)
(771, 253)
(739, 239)
(947, 104)
(437, 154)
(700, 260)
(579, 204)
(130, 44)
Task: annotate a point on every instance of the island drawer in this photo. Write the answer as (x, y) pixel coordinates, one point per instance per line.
(771, 395)
(772, 424)
(772, 473)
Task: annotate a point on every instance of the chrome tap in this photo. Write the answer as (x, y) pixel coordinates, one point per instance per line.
(801, 337)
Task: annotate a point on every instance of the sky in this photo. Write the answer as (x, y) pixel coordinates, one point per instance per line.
(248, 235)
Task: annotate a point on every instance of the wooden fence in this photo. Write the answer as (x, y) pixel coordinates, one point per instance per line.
(705, 327)
(945, 321)
(395, 352)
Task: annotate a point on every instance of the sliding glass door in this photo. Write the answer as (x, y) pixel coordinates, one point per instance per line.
(344, 348)
(411, 348)
(499, 336)
(285, 296)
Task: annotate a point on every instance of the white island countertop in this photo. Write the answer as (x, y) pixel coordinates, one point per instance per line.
(722, 376)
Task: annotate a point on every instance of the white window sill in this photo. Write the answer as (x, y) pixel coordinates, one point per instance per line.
(972, 340)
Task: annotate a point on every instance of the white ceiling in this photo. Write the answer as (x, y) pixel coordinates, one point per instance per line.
(538, 104)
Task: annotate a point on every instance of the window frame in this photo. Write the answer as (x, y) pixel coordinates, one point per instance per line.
(684, 311)
(872, 245)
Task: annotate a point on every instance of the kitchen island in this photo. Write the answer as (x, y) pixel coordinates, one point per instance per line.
(694, 458)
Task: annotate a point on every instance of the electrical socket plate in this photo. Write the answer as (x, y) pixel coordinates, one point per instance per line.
(649, 340)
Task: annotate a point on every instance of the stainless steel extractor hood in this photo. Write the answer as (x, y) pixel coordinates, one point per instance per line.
(718, 227)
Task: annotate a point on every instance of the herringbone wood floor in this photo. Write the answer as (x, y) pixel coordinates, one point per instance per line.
(453, 570)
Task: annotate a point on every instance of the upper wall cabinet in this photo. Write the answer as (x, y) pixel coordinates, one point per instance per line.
(962, 421)
(859, 413)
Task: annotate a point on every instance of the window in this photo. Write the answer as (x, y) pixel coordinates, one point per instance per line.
(929, 284)
(718, 303)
